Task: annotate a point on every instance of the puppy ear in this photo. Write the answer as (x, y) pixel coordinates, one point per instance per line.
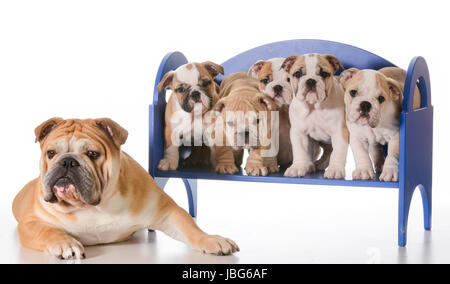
(395, 90)
(266, 102)
(256, 68)
(288, 63)
(166, 81)
(335, 63)
(347, 75)
(113, 130)
(213, 68)
(220, 106)
(43, 130)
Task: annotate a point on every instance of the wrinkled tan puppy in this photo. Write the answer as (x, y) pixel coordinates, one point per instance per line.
(245, 113)
(274, 81)
(374, 102)
(90, 192)
(319, 112)
(192, 85)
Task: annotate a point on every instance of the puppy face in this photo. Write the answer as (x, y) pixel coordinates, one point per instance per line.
(273, 80)
(193, 84)
(311, 75)
(244, 119)
(370, 96)
(80, 159)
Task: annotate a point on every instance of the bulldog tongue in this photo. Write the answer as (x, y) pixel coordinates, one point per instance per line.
(65, 186)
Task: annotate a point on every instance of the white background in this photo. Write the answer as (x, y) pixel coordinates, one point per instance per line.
(88, 59)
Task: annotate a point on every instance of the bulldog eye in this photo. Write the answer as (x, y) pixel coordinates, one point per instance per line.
(353, 93)
(93, 155)
(180, 90)
(298, 74)
(206, 83)
(265, 81)
(381, 99)
(230, 123)
(51, 154)
(324, 74)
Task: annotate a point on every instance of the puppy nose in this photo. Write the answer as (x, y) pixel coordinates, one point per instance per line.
(365, 107)
(311, 83)
(69, 163)
(278, 89)
(195, 95)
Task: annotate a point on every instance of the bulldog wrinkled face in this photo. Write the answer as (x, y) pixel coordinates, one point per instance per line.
(246, 125)
(193, 84)
(312, 76)
(273, 80)
(369, 96)
(78, 162)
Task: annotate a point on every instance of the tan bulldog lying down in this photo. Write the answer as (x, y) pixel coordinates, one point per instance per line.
(90, 192)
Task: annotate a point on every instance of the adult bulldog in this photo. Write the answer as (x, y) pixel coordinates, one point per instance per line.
(90, 192)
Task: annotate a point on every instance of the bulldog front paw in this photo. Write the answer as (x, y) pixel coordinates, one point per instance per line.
(256, 170)
(335, 173)
(217, 245)
(363, 174)
(389, 174)
(168, 164)
(299, 170)
(67, 249)
(226, 168)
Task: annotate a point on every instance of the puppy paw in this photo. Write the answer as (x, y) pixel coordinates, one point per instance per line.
(335, 173)
(363, 174)
(256, 170)
(67, 249)
(167, 164)
(217, 245)
(226, 168)
(389, 174)
(299, 170)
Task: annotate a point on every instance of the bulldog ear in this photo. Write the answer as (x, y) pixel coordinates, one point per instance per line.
(266, 102)
(335, 63)
(166, 81)
(113, 130)
(288, 63)
(256, 68)
(213, 68)
(347, 75)
(395, 90)
(43, 130)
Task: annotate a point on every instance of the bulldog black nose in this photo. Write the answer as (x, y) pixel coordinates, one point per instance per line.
(69, 163)
(365, 107)
(278, 89)
(195, 95)
(311, 83)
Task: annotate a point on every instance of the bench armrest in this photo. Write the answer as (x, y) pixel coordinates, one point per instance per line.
(417, 75)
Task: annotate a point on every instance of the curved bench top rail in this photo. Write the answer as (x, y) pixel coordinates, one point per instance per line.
(350, 56)
(417, 74)
(170, 62)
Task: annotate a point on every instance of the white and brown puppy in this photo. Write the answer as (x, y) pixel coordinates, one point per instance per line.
(374, 102)
(193, 90)
(90, 192)
(274, 81)
(318, 110)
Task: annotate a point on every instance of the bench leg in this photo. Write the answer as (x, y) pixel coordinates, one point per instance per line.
(426, 191)
(405, 199)
(191, 190)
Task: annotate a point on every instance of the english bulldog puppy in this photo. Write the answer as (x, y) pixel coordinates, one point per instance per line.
(244, 113)
(193, 90)
(318, 110)
(90, 192)
(373, 101)
(274, 81)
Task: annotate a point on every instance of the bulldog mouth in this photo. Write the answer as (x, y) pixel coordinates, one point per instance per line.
(65, 188)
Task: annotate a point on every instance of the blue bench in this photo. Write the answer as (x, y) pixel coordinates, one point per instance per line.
(416, 129)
